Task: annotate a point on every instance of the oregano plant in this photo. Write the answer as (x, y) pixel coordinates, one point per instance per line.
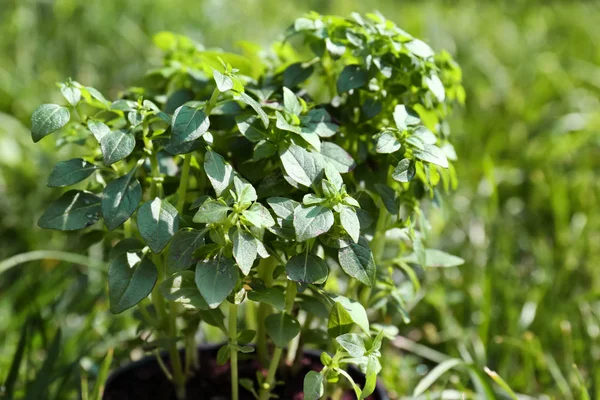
(289, 185)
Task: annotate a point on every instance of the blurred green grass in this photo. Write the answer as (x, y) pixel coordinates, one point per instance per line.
(525, 217)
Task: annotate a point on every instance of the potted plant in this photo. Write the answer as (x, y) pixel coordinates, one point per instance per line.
(283, 186)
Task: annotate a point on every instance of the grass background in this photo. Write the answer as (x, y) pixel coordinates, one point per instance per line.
(525, 218)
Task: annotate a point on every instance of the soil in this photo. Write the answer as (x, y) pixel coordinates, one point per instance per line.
(145, 380)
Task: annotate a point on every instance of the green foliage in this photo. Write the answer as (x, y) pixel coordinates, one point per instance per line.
(236, 140)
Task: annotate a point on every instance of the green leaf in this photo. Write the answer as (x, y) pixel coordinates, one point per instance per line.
(218, 171)
(182, 248)
(264, 149)
(355, 310)
(352, 77)
(120, 199)
(244, 249)
(284, 125)
(48, 118)
(246, 194)
(350, 222)
(216, 279)
(224, 82)
(273, 295)
(130, 280)
(388, 197)
(189, 124)
(248, 126)
(436, 86)
(157, 222)
(307, 268)
(290, 102)
(419, 48)
(313, 386)
(337, 157)
(387, 143)
(211, 211)
(433, 154)
(370, 385)
(296, 73)
(404, 171)
(254, 104)
(72, 94)
(223, 354)
(340, 321)
(127, 245)
(352, 343)
(312, 221)
(301, 166)
(98, 129)
(403, 118)
(70, 172)
(116, 145)
(259, 216)
(357, 261)
(282, 328)
(436, 258)
(282, 207)
(435, 374)
(181, 288)
(74, 210)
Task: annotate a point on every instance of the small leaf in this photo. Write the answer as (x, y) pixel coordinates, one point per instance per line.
(129, 281)
(157, 222)
(224, 82)
(433, 154)
(246, 194)
(340, 321)
(248, 126)
(404, 171)
(181, 288)
(216, 279)
(116, 145)
(211, 211)
(72, 94)
(218, 171)
(282, 328)
(70, 172)
(352, 77)
(350, 222)
(290, 102)
(182, 248)
(436, 258)
(48, 118)
(244, 249)
(436, 86)
(259, 216)
(273, 296)
(301, 165)
(282, 207)
(98, 129)
(387, 143)
(403, 118)
(312, 221)
(296, 73)
(313, 386)
(352, 343)
(337, 157)
(120, 199)
(188, 125)
(357, 312)
(223, 354)
(74, 210)
(307, 268)
(357, 261)
(254, 104)
(389, 198)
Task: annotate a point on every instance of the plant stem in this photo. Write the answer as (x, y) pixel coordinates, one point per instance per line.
(265, 273)
(270, 382)
(234, 354)
(183, 183)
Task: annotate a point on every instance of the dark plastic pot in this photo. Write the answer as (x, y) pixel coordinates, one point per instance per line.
(144, 379)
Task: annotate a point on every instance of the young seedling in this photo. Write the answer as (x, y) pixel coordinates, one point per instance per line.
(286, 186)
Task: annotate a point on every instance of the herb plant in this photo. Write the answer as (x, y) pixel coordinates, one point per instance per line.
(286, 184)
